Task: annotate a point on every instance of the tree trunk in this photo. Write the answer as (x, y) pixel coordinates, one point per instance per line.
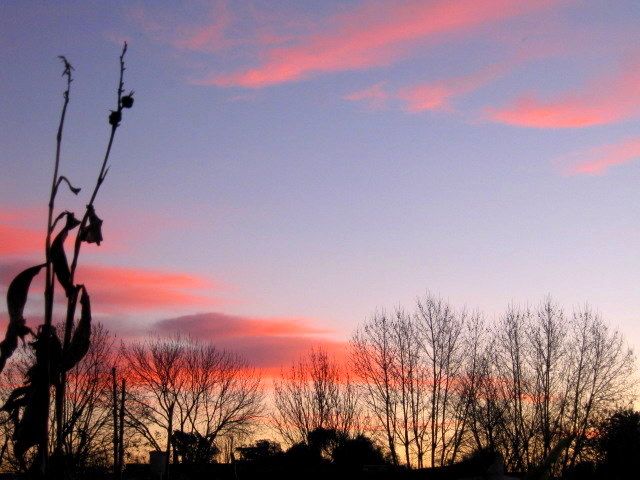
(168, 453)
(116, 450)
(121, 433)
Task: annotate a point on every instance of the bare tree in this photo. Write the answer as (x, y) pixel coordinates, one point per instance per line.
(546, 378)
(155, 371)
(548, 350)
(87, 431)
(314, 393)
(601, 376)
(221, 395)
(373, 353)
(512, 367)
(183, 390)
(441, 336)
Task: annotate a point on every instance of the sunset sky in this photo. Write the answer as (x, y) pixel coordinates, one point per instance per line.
(289, 167)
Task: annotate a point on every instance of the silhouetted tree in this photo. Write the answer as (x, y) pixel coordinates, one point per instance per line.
(545, 378)
(353, 453)
(261, 451)
(193, 389)
(193, 448)
(314, 394)
(409, 367)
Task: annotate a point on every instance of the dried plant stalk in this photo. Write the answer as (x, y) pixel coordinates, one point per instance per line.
(28, 405)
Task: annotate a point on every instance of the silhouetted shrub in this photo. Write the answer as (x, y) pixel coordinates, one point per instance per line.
(618, 445)
(261, 451)
(356, 452)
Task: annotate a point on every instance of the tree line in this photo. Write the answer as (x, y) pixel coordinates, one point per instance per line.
(423, 387)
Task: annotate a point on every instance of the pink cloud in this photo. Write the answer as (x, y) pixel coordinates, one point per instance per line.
(373, 34)
(596, 161)
(134, 289)
(123, 290)
(220, 325)
(211, 36)
(609, 99)
(436, 95)
(20, 241)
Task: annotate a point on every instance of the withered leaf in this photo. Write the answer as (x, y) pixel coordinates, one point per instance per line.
(32, 397)
(79, 345)
(19, 290)
(58, 256)
(16, 299)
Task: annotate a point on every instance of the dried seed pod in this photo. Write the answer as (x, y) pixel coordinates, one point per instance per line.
(114, 118)
(127, 100)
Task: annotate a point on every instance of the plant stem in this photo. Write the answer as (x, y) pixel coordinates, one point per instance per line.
(43, 447)
(68, 326)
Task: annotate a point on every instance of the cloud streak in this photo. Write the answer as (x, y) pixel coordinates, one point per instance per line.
(607, 99)
(597, 160)
(431, 96)
(122, 290)
(266, 342)
(20, 241)
(371, 35)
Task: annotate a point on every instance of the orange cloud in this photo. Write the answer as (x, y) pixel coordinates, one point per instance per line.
(374, 34)
(604, 100)
(597, 161)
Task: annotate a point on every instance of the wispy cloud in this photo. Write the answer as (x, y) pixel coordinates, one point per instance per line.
(373, 34)
(606, 99)
(374, 96)
(135, 289)
(597, 160)
(438, 95)
(430, 96)
(209, 35)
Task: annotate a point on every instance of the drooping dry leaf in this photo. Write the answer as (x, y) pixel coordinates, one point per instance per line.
(32, 397)
(19, 290)
(58, 256)
(16, 299)
(81, 336)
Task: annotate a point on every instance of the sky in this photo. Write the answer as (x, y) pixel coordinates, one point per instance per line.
(290, 167)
